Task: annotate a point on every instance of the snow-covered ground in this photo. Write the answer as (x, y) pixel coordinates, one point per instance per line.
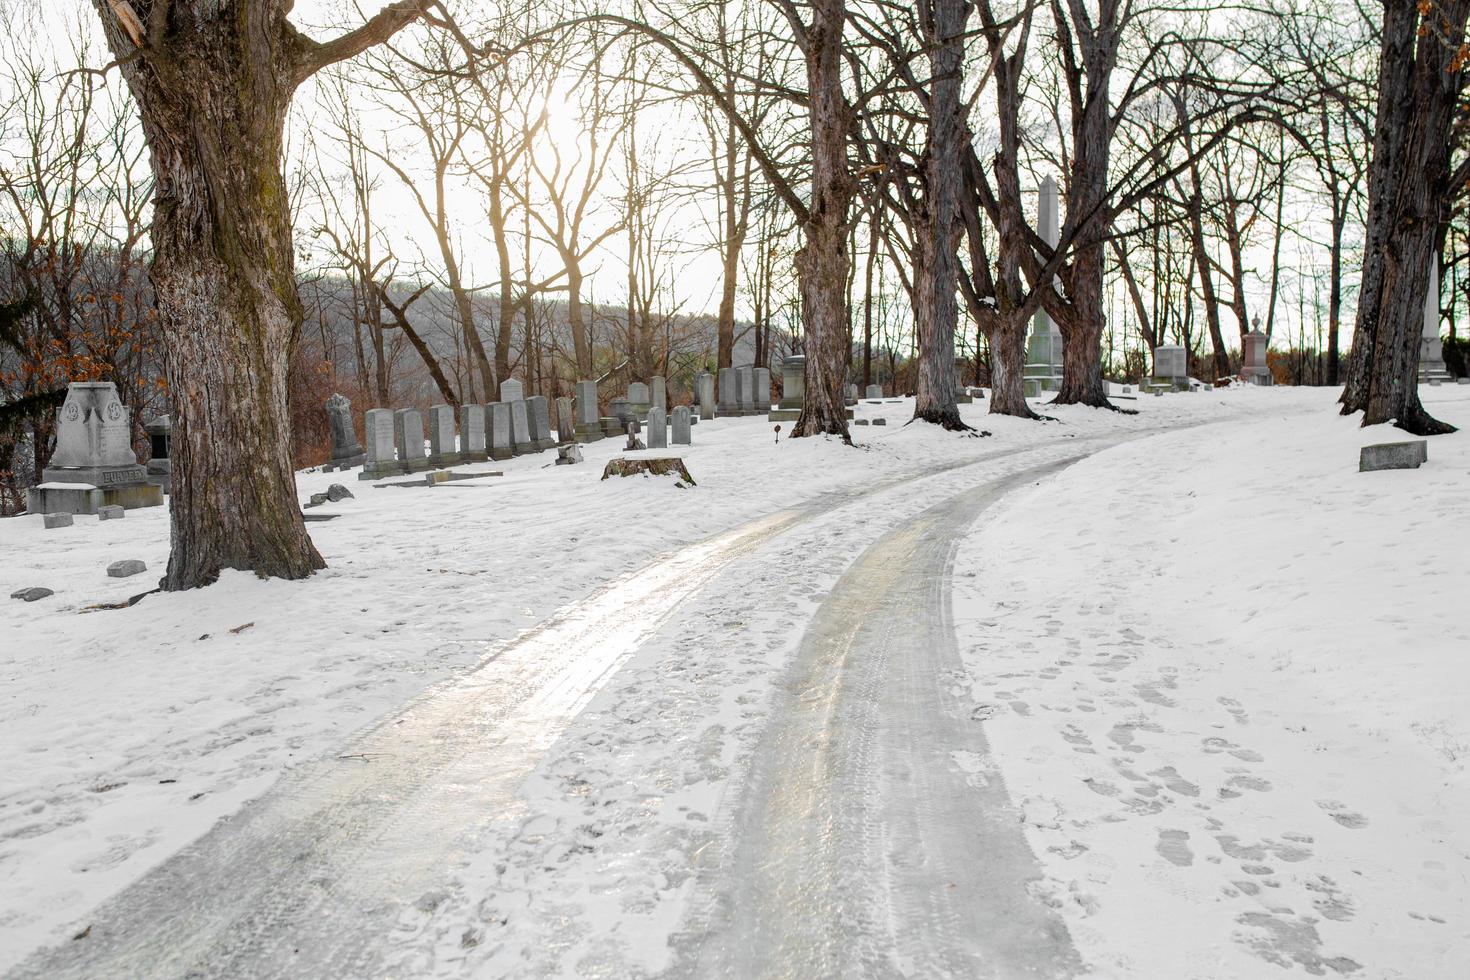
(124, 734)
(1226, 677)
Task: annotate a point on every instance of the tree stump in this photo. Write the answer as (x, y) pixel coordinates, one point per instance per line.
(667, 466)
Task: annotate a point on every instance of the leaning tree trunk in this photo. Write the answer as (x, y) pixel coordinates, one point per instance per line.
(213, 88)
(822, 263)
(935, 267)
(1408, 190)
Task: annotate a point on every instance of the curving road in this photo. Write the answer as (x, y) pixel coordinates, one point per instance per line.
(873, 838)
(864, 846)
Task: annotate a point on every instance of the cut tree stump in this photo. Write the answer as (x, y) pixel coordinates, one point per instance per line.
(667, 466)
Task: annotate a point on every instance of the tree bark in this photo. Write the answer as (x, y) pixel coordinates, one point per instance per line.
(1408, 195)
(935, 266)
(822, 263)
(213, 84)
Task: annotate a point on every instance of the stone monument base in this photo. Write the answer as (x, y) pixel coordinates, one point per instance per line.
(479, 456)
(348, 462)
(85, 498)
(783, 415)
(444, 459)
(585, 432)
(380, 469)
(500, 453)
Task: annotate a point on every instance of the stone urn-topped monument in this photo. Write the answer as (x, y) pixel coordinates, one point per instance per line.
(94, 465)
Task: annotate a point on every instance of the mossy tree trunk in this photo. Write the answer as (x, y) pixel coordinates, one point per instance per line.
(213, 80)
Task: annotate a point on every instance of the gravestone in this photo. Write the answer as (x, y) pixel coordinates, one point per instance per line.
(538, 419)
(747, 389)
(511, 390)
(408, 436)
(659, 394)
(658, 429)
(682, 436)
(1044, 346)
(638, 399)
(346, 450)
(59, 519)
(875, 392)
(110, 512)
(612, 427)
(472, 445)
(378, 428)
(588, 427)
(793, 389)
(498, 416)
(729, 393)
(568, 455)
(704, 394)
(1171, 366)
(520, 428)
(566, 428)
(849, 395)
(442, 450)
(762, 378)
(1254, 369)
(94, 464)
(962, 394)
(1393, 456)
(1431, 348)
(160, 467)
(622, 410)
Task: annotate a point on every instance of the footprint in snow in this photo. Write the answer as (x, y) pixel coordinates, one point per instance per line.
(1173, 846)
(1347, 818)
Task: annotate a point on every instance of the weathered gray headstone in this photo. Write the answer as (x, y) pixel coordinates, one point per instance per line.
(94, 463)
(761, 378)
(850, 395)
(538, 421)
(378, 427)
(442, 448)
(346, 450)
(658, 429)
(34, 593)
(472, 445)
(638, 398)
(57, 520)
(126, 568)
(520, 427)
(704, 394)
(408, 434)
(566, 423)
(337, 493)
(682, 426)
(569, 454)
(875, 392)
(793, 381)
(589, 425)
(501, 444)
(747, 389)
(511, 390)
(1432, 366)
(111, 512)
(1393, 456)
(729, 392)
(658, 393)
(1171, 365)
(622, 410)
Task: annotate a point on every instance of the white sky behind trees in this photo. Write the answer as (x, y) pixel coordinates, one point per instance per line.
(668, 132)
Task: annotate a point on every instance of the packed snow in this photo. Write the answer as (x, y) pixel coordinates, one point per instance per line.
(1204, 584)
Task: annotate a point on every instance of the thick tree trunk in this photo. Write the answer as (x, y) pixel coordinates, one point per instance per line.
(935, 268)
(1082, 382)
(1334, 304)
(1007, 358)
(1407, 194)
(822, 264)
(213, 88)
(581, 341)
